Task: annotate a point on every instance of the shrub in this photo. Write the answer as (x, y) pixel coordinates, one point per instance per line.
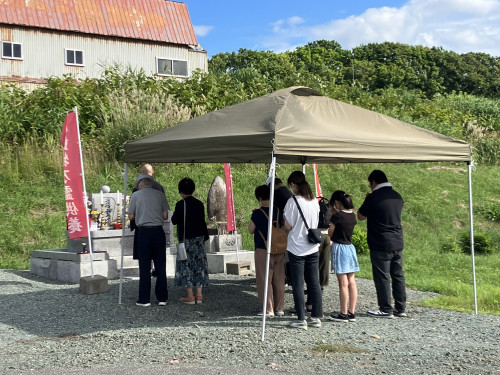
(482, 243)
(359, 241)
(490, 212)
(493, 214)
(451, 246)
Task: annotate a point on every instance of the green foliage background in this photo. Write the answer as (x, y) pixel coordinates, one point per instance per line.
(456, 95)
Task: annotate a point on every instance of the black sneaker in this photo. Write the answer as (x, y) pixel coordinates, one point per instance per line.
(400, 314)
(351, 316)
(339, 318)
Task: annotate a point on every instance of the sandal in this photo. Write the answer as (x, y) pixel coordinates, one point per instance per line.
(188, 300)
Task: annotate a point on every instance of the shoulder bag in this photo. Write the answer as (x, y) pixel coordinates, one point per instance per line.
(181, 247)
(313, 235)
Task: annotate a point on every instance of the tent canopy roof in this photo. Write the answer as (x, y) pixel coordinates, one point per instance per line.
(300, 126)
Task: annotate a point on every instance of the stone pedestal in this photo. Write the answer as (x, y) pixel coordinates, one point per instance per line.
(223, 243)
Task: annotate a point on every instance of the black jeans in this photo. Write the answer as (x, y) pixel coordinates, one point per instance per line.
(151, 245)
(385, 265)
(306, 268)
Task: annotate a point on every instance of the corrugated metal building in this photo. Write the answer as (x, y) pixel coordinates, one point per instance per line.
(44, 38)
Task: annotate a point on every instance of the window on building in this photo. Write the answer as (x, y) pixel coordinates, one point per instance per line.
(12, 50)
(73, 57)
(170, 67)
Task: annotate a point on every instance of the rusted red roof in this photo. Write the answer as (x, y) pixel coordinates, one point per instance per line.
(158, 20)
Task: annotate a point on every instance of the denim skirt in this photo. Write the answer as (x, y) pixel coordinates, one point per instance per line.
(344, 259)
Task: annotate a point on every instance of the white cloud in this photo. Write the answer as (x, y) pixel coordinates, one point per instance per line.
(202, 30)
(456, 25)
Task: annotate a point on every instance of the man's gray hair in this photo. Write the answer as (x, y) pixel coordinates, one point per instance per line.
(145, 182)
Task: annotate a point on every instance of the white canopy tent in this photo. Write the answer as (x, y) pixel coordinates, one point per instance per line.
(297, 125)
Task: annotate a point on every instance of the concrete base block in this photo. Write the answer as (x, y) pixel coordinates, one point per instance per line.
(171, 250)
(223, 242)
(239, 268)
(217, 261)
(65, 266)
(93, 285)
(171, 265)
(42, 267)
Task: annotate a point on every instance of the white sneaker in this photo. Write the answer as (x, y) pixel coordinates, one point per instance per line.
(298, 324)
(268, 315)
(380, 314)
(143, 304)
(162, 303)
(314, 322)
(279, 313)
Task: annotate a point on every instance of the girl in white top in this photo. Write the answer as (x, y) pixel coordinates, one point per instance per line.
(303, 255)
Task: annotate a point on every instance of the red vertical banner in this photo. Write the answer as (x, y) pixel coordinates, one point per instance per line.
(76, 211)
(319, 193)
(231, 222)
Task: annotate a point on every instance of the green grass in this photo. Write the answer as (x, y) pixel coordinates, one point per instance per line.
(435, 194)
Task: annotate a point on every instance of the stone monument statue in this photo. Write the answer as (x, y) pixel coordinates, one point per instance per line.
(217, 204)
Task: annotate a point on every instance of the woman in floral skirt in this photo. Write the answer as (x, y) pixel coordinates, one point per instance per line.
(191, 273)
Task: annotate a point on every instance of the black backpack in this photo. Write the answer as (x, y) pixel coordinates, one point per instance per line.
(325, 213)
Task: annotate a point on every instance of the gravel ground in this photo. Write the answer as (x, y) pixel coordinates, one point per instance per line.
(48, 327)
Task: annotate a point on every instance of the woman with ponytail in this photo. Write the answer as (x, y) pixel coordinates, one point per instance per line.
(344, 259)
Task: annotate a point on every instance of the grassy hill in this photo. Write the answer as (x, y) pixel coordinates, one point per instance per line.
(436, 211)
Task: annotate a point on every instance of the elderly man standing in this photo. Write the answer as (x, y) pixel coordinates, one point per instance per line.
(149, 208)
(382, 207)
(147, 170)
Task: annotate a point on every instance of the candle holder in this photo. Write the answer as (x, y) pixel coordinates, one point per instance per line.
(118, 216)
(103, 220)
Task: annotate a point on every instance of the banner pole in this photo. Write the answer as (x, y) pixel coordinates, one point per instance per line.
(85, 195)
(124, 209)
(231, 217)
(269, 237)
(471, 215)
(317, 185)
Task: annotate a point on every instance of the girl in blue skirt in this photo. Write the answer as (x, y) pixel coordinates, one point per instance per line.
(344, 259)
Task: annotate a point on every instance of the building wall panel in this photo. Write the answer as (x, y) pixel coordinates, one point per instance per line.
(43, 54)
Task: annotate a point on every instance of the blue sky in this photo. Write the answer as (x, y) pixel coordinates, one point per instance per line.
(455, 25)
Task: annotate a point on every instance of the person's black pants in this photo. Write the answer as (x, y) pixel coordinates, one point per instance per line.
(302, 269)
(387, 266)
(151, 245)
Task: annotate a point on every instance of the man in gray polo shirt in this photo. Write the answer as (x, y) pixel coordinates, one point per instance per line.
(149, 208)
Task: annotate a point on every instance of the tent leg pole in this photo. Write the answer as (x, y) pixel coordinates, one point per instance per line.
(469, 167)
(124, 211)
(268, 255)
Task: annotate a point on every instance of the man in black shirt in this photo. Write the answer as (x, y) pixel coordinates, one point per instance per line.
(281, 193)
(382, 207)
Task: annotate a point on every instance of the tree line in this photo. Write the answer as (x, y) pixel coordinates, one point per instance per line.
(374, 66)
(456, 95)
